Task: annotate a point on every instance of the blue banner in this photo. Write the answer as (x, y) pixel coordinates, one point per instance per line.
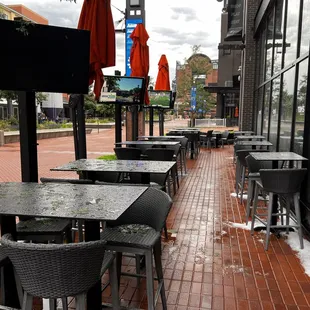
(130, 26)
(193, 98)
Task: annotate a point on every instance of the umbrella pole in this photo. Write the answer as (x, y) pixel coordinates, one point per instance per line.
(75, 136)
(134, 123)
(161, 122)
(81, 128)
(151, 122)
(118, 123)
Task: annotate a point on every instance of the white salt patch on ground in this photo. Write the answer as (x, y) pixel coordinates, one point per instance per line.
(245, 196)
(303, 254)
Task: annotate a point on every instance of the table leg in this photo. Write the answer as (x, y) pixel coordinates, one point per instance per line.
(274, 219)
(94, 301)
(145, 178)
(8, 225)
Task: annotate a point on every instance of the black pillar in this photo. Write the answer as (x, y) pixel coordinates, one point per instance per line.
(134, 111)
(28, 136)
(161, 122)
(81, 129)
(151, 122)
(118, 123)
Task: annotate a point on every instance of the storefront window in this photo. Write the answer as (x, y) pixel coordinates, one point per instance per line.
(274, 115)
(305, 33)
(266, 110)
(269, 45)
(301, 105)
(279, 30)
(291, 32)
(287, 110)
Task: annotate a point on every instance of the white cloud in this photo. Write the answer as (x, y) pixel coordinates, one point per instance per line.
(173, 26)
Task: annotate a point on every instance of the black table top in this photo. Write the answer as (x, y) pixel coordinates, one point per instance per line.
(255, 143)
(141, 142)
(97, 165)
(70, 201)
(277, 156)
(161, 137)
(250, 137)
(244, 132)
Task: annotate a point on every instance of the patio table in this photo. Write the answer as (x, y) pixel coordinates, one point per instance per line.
(255, 143)
(144, 167)
(275, 158)
(92, 203)
(161, 137)
(150, 143)
(244, 132)
(255, 137)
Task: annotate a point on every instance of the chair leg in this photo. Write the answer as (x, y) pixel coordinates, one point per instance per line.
(242, 183)
(166, 231)
(138, 269)
(80, 229)
(237, 177)
(114, 285)
(298, 217)
(64, 302)
(248, 203)
(118, 259)
(52, 304)
(19, 288)
(269, 218)
(149, 280)
(254, 208)
(80, 302)
(159, 272)
(288, 211)
(27, 302)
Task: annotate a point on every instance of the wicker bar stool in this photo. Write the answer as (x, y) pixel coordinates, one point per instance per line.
(282, 182)
(138, 231)
(54, 271)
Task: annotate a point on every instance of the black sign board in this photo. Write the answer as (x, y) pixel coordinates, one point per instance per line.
(235, 20)
(43, 58)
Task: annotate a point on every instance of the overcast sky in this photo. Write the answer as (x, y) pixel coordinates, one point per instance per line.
(174, 26)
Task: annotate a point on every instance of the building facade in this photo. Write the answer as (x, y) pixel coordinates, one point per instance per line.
(275, 86)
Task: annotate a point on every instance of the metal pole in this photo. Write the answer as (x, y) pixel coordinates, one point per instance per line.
(151, 120)
(118, 123)
(81, 128)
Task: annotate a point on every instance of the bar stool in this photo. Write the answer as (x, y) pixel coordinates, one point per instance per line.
(254, 166)
(282, 182)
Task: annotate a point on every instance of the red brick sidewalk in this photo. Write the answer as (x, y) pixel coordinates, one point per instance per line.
(207, 264)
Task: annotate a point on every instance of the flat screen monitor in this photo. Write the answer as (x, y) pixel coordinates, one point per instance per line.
(122, 90)
(43, 58)
(160, 98)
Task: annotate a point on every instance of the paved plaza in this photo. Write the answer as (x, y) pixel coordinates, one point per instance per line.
(208, 263)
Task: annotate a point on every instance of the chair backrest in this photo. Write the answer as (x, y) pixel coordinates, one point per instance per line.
(159, 154)
(225, 134)
(71, 181)
(282, 181)
(255, 165)
(209, 133)
(184, 142)
(130, 153)
(176, 148)
(242, 154)
(56, 270)
(151, 209)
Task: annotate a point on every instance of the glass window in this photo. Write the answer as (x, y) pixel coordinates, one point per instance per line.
(287, 110)
(266, 110)
(301, 105)
(269, 45)
(259, 110)
(274, 115)
(279, 30)
(305, 33)
(291, 32)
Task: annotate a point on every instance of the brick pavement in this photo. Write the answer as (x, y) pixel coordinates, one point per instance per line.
(207, 263)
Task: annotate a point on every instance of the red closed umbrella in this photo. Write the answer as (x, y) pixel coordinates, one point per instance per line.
(139, 56)
(96, 16)
(163, 80)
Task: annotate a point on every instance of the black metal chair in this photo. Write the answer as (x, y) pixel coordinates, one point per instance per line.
(131, 153)
(138, 231)
(55, 271)
(281, 182)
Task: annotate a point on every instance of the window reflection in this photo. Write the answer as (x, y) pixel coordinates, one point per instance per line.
(305, 33)
(259, 111)
(301, 105)
(287, 110)
(279, 36)
(291, 32)
(274, 109)
(269, 45)
(266, 110)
